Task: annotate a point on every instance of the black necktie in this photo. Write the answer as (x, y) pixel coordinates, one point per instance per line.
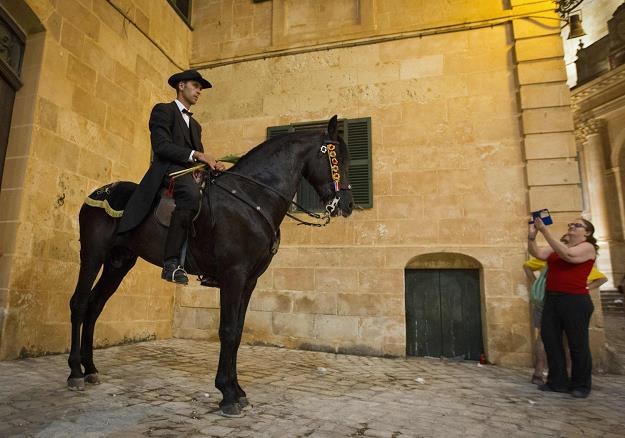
(187, 112)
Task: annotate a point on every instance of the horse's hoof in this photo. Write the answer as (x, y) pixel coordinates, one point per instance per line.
(231, 411)
(244, 404)
(76, 383)
(93, 378)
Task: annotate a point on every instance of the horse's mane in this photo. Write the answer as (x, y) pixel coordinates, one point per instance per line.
(277, 143)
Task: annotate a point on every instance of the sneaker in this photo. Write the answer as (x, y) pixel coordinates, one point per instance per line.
(174, 273)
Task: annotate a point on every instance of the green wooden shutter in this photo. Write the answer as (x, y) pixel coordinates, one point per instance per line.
(274, 131)
(358, 138)
(306, 195)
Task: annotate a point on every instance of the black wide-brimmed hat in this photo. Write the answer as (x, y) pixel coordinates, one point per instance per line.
(188, 75)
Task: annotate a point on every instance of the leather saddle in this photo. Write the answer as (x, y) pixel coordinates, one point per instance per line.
(164, 209)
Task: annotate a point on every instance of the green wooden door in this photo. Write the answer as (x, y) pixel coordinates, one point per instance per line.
(443, 316)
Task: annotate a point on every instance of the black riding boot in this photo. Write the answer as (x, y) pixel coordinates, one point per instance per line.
(178, 228)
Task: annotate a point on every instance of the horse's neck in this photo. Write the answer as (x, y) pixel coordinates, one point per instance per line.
(277, 166)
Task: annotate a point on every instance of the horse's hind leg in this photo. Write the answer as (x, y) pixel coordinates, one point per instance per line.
(89, 268)
(96, 232)
(115, 269)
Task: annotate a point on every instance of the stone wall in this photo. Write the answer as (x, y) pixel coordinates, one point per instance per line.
(80, 121)
(471, 130)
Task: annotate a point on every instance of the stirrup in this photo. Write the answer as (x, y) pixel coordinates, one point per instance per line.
(171, 277)
(179, 268)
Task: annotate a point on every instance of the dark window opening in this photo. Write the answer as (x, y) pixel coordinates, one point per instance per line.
(183, 9)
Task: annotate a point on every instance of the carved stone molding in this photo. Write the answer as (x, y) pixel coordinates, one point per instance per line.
(589, 127)
(597, 85)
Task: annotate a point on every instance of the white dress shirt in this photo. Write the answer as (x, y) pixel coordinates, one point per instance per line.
(185, 117)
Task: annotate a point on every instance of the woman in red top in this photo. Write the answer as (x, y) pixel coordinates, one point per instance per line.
(568, 306)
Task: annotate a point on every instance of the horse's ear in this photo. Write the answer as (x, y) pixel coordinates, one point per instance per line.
(333, 131)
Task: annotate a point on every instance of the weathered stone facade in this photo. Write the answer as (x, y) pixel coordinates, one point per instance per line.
(471, 130)
(90, 79)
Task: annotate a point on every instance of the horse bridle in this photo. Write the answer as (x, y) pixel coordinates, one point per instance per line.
(327, 147)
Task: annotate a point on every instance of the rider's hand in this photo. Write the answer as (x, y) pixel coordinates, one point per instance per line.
(202, 157)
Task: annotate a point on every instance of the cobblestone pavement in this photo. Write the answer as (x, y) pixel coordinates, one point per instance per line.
(165, 389)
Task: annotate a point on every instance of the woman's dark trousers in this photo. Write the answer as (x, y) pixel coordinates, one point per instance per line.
(569, 314)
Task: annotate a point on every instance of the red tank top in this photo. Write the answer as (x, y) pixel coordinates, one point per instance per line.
(570, 278)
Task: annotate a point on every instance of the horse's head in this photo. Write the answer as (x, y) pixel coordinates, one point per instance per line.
(327, 172)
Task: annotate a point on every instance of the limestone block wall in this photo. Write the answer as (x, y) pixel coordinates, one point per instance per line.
(80, 121)
(448, 176)
(231, 29)
(547, 123)
(471, 131)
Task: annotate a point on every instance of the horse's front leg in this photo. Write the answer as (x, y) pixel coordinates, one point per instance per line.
(230, 299)
(245, 300)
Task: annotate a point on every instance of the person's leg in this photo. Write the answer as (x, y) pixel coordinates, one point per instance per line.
(576, 321)
(567, 355)
(187, 197)
(551, 333)
(540, 358)
(541, 361)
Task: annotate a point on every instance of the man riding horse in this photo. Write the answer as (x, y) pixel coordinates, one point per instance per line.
(176, 144)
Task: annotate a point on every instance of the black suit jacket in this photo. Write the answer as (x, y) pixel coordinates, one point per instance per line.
(172, 143)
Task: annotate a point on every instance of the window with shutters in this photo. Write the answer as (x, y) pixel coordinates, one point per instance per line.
(183, 9)
(357, 135)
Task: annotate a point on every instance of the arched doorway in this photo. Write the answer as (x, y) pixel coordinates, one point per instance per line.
(443, 306)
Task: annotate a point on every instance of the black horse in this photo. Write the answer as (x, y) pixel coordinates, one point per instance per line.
(237, 230)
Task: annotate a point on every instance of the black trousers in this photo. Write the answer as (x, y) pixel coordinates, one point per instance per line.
(187, 197)
(186, 190)
(570, 314)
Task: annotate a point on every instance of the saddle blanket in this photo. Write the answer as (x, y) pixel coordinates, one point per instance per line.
(112, 197)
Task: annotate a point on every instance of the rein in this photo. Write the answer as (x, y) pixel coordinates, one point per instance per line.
(325, 217)
(328, 148)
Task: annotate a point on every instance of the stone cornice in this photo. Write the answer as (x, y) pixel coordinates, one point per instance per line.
(598, 85)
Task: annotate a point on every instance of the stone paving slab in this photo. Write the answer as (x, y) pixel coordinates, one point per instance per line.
(165, 389)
